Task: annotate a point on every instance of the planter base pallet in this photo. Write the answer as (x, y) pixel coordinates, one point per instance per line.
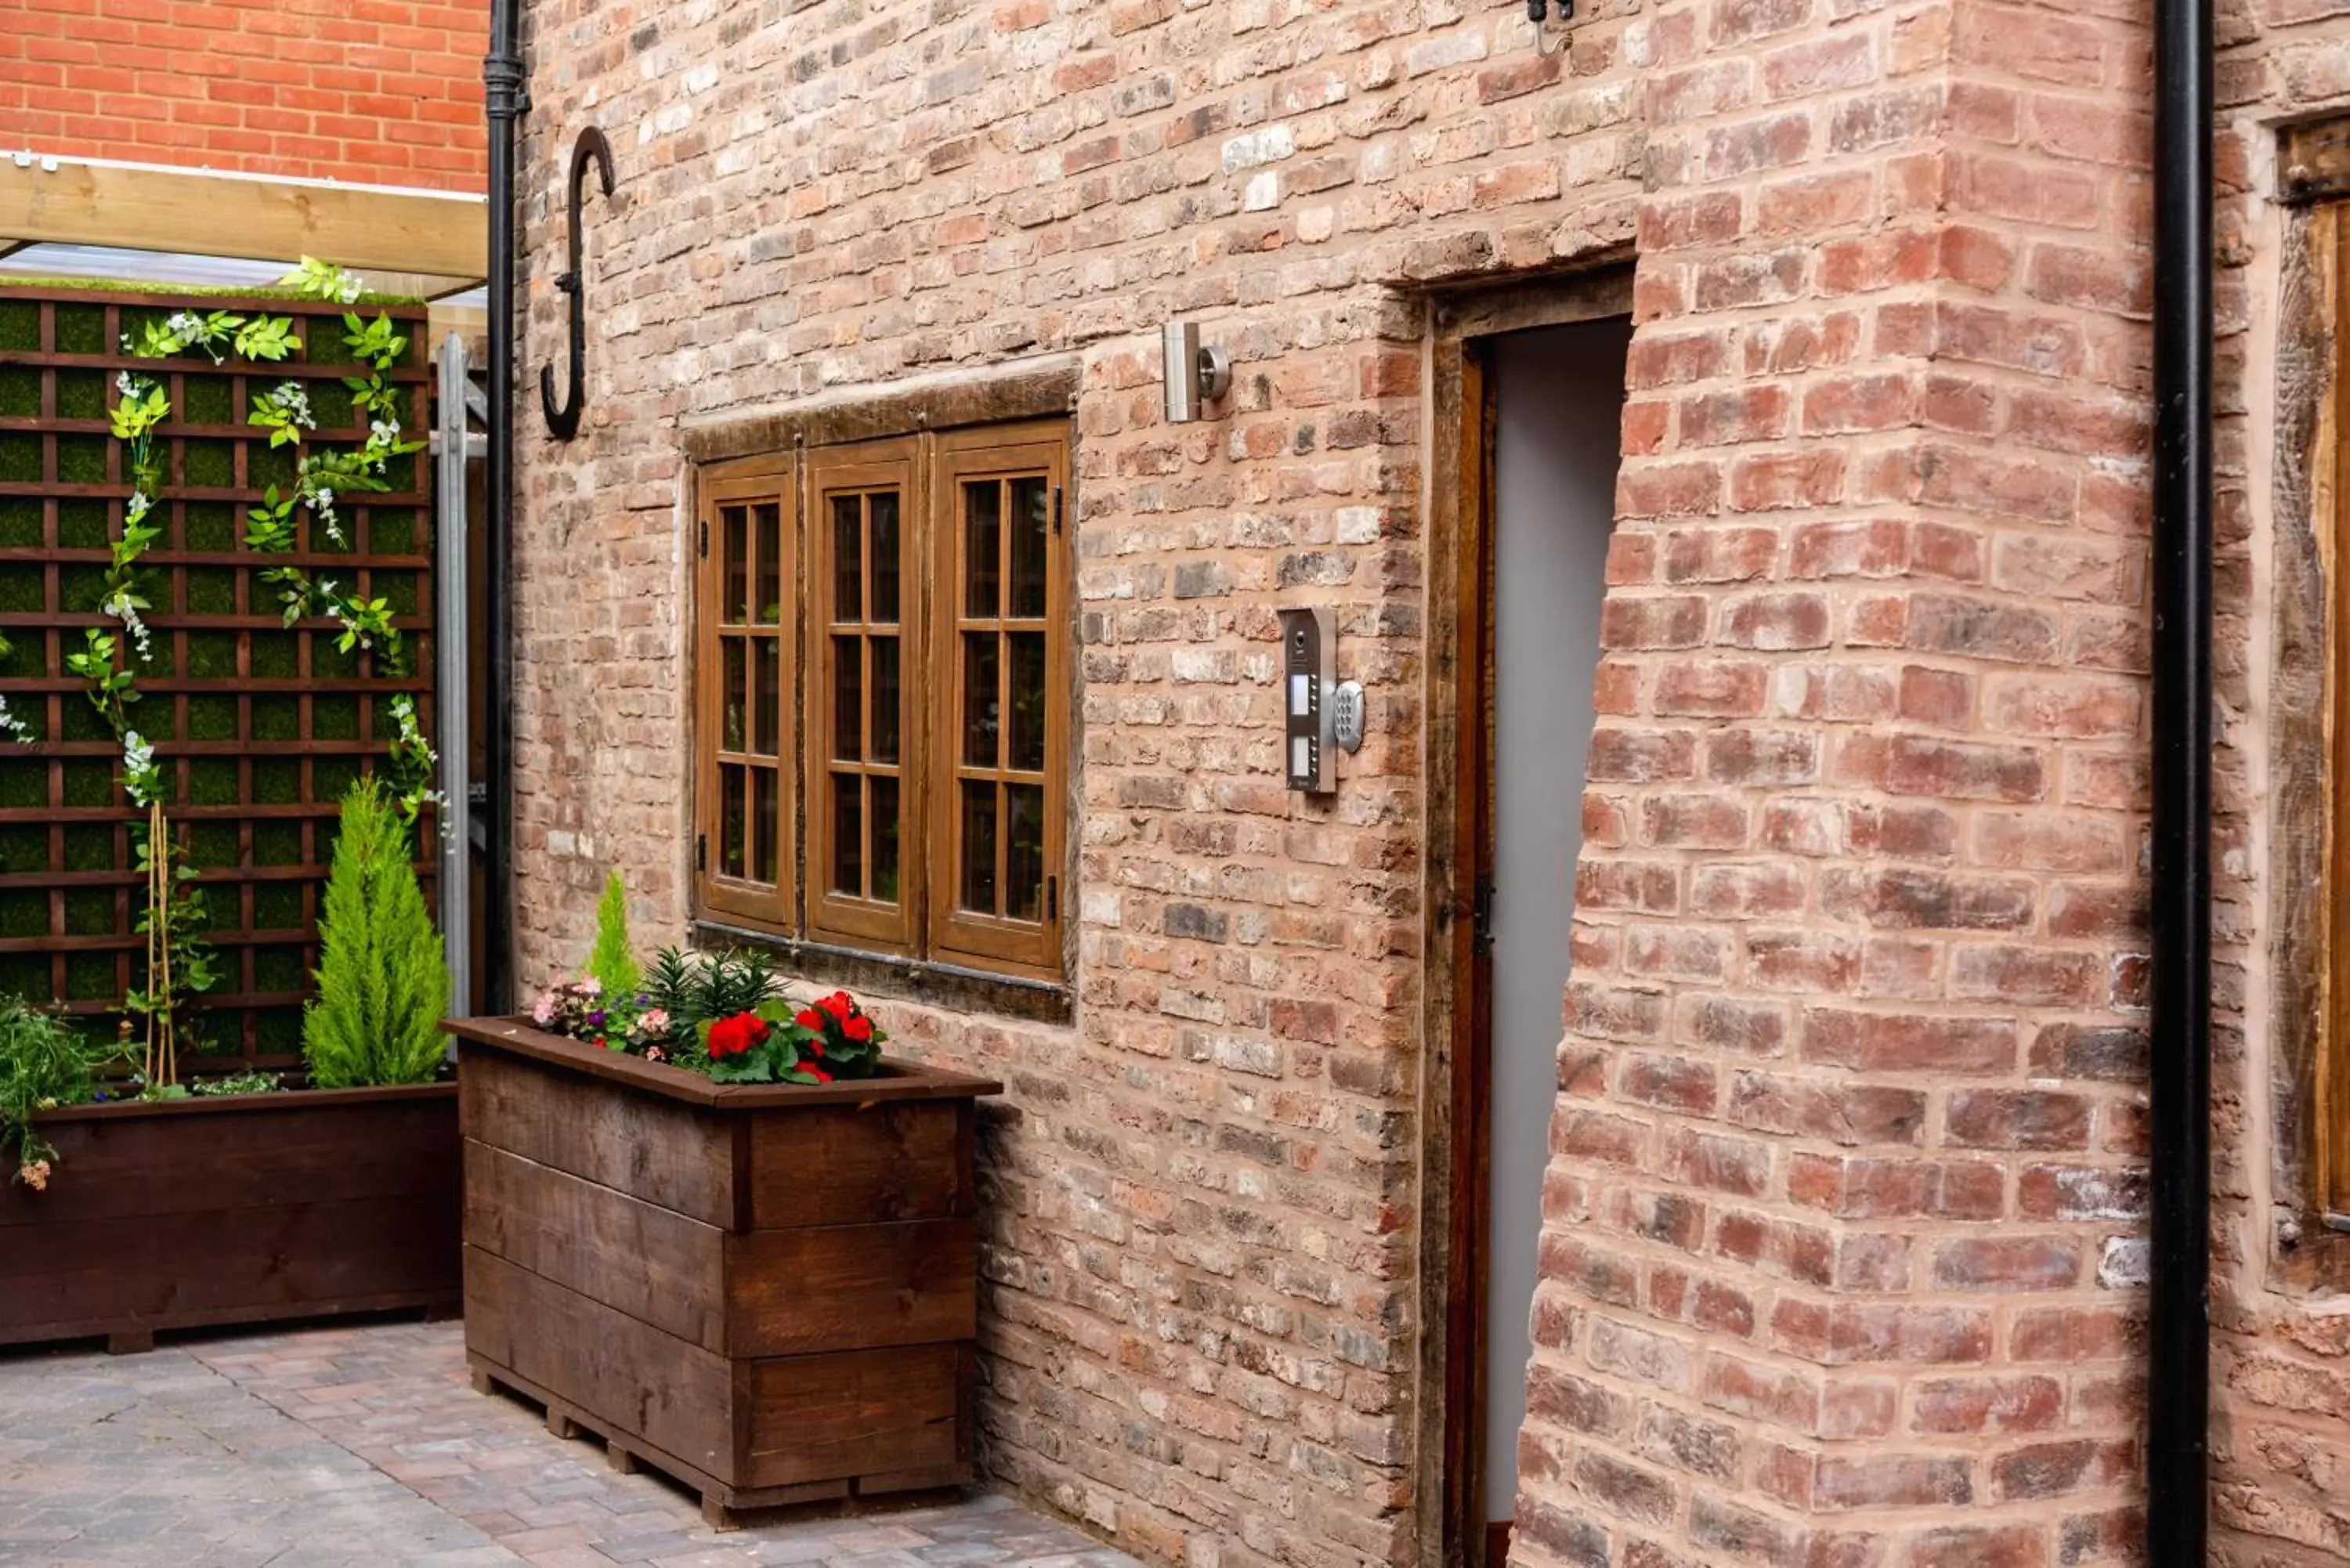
(211, 1213)
(722, 1505)
(769, 1293)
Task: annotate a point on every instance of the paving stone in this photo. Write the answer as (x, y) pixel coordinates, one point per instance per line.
(367, 1447)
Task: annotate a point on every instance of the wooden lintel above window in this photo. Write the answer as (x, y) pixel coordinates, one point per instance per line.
(1043, 390)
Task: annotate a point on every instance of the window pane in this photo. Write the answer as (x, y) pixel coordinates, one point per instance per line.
(885, 839)
(848, 698)
(737, 693)
(885, 700)
(735, 527)
(1030, 526)
(983, 510)
(767, 603)
(767, 699)
(849, 833)
(978, 891)
(766, 826)
(848, 559)
(885, 557)
(1023, 851)
(730, 819)
(1026, 747)
(981, 662)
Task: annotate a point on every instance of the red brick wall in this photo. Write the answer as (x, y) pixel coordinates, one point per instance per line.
(387, 94)
(1844, 1255)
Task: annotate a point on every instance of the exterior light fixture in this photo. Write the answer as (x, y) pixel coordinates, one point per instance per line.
(1193, 375)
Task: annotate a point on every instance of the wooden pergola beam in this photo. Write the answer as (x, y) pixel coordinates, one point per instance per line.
(138, 206)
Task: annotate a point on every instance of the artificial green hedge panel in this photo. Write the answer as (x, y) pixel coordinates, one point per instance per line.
(255, 774)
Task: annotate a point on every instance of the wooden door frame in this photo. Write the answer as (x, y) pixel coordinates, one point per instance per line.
(1456, 1089)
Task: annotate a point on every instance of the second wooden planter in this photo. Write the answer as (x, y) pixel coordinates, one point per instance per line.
(207, 1212)
(769, 1292)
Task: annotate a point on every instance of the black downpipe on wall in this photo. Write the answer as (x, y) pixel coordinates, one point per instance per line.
(2179, 1336)
(507, 99)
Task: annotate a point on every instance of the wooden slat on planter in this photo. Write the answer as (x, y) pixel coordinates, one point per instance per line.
(651, 1262)
(654, 1385)
(856, 1413)
(770, 1291)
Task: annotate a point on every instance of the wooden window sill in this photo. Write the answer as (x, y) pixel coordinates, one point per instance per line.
(929, 982)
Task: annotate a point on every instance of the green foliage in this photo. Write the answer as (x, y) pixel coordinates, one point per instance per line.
(611, 962)
(717, 986)
(193, 964)
(382, 988)
(44, 1061)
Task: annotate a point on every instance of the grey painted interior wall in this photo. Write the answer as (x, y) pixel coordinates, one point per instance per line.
(1560, 394)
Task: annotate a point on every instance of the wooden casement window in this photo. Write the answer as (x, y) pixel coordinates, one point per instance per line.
(928, 733)
(743, 652)
(861, 771)
(996, 813)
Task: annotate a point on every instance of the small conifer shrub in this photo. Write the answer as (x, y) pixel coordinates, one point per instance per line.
(610, 961)
(382, 983)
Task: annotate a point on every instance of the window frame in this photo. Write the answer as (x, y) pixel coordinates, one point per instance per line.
(2329, 250)
(864, 468)
(923, 943)
(748, 481)
(1003, 453)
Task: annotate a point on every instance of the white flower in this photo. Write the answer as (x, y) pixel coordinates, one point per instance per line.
(139, 771)
(14, 725)
(384, 433)
(124, 384)
(137, 504)
(290, 400)
(119, 606)
(183, 323)
(349, 292)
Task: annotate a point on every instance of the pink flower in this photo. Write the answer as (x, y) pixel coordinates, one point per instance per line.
(35, 1175)
(542, 1012)
(653, 1022)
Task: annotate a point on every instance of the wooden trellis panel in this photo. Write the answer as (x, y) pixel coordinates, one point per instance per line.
(261, 727)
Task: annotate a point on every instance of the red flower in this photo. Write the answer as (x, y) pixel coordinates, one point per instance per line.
(819, 1073)
(732, 1036)
(809, 1018)
(838, 1004)
(602, 1044)
(816, 1046)
(860, 1028)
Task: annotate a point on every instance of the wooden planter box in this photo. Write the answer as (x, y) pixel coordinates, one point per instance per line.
(770, 1291)
(242, 1208)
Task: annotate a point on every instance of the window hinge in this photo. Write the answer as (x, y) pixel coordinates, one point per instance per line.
(705, 537)
(1052, 897)
(1056, 509)
(702, 852)
(1480, 917)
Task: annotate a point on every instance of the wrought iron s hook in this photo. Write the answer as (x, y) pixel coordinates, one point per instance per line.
(563, 419)
(1538, 12)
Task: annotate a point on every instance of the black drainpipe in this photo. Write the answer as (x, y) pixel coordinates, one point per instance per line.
(2179, 1336)
(502, 74)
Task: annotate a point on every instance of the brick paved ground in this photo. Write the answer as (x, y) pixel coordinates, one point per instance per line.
(363, 1447)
